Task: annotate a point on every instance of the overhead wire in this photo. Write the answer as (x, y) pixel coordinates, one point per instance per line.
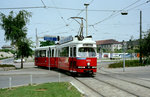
(43, 3)
(138, 5)
(59, 12)
(131, 4)
(115, 13)
(52, 7)
(81, 12)
(66, 24)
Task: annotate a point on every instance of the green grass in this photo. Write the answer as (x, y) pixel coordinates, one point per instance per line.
(62, 89)
(128, 63)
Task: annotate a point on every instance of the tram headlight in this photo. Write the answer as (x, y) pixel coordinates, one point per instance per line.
(88, 64)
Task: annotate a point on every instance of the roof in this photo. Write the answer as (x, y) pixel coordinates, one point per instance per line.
(6, 46)
(109, 41)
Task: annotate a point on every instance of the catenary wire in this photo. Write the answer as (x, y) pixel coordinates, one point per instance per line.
(118, 12)
(43, 3)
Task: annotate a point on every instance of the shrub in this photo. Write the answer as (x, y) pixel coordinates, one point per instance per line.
(128, 63)
(6, 65)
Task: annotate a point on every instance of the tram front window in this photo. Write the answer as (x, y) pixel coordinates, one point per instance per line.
(86, 52)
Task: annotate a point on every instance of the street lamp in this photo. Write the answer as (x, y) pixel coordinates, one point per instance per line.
(125, 13)
(123, 43)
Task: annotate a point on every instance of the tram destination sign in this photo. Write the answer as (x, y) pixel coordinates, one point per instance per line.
(66, 39)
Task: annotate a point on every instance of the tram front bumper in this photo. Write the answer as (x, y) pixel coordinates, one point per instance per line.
(90, 71)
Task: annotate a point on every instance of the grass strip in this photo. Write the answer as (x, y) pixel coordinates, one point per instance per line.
(55, 89)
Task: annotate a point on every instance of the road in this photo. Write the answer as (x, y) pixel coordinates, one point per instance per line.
(134, 82)
(7, 61)
(23, 77)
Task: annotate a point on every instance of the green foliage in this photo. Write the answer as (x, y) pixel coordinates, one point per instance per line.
(14, 25)
(146, 44)
(6, 65)
(8, 50)
(24, 49)
(118, 51)
(62, 89)
(46, 43)
(128, 63)
(15, 31)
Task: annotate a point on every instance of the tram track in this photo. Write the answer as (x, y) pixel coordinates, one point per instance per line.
(118, 87)
(135, 88)
(132, 82)
(114, 94)
(89, 87)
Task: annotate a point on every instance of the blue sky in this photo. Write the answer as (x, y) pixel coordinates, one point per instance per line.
(108, 22)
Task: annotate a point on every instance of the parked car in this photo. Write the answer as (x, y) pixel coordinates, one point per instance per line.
(18, 60)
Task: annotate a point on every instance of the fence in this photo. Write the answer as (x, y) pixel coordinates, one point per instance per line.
(30, 79)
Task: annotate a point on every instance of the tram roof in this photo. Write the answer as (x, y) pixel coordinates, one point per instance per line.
(76, 41)
(44, 47)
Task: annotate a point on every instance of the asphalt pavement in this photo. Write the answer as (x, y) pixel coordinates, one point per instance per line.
(138, 75)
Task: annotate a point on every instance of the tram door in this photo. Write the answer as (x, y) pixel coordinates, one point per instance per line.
(49, 56)
(52, 59)
(72, 61)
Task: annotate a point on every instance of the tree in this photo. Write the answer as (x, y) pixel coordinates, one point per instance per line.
(46, 43)
(15, 26)
(146, 44)
(15, 29)
(24, 49)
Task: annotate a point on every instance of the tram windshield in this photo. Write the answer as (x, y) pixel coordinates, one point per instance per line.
(86, 52)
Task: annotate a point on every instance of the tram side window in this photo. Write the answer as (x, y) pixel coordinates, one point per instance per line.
(42, 53)
(74, 51)
(64, 52)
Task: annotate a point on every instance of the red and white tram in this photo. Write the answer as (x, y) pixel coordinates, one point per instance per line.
(70, 54)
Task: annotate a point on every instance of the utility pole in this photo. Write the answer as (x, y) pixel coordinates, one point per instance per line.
(86, 5)
(123, 55)
(140, 36)
(37, 41)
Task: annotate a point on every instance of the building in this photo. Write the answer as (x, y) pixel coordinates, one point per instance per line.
(109, 45)
(7, 47)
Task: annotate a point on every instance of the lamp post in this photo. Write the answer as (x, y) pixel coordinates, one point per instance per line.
(86, 5)
(123, 42)
(125, 13)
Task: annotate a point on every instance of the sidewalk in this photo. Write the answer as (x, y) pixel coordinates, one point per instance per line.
(142, 72)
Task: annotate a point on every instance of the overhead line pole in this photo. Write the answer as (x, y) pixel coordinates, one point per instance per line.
(86, 5)
(140, 36)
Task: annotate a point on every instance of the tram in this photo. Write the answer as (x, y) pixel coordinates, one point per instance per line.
(74, 54)
(70, 54)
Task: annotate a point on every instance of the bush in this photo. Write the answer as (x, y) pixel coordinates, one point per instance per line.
(6, 65)
(128, 63)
